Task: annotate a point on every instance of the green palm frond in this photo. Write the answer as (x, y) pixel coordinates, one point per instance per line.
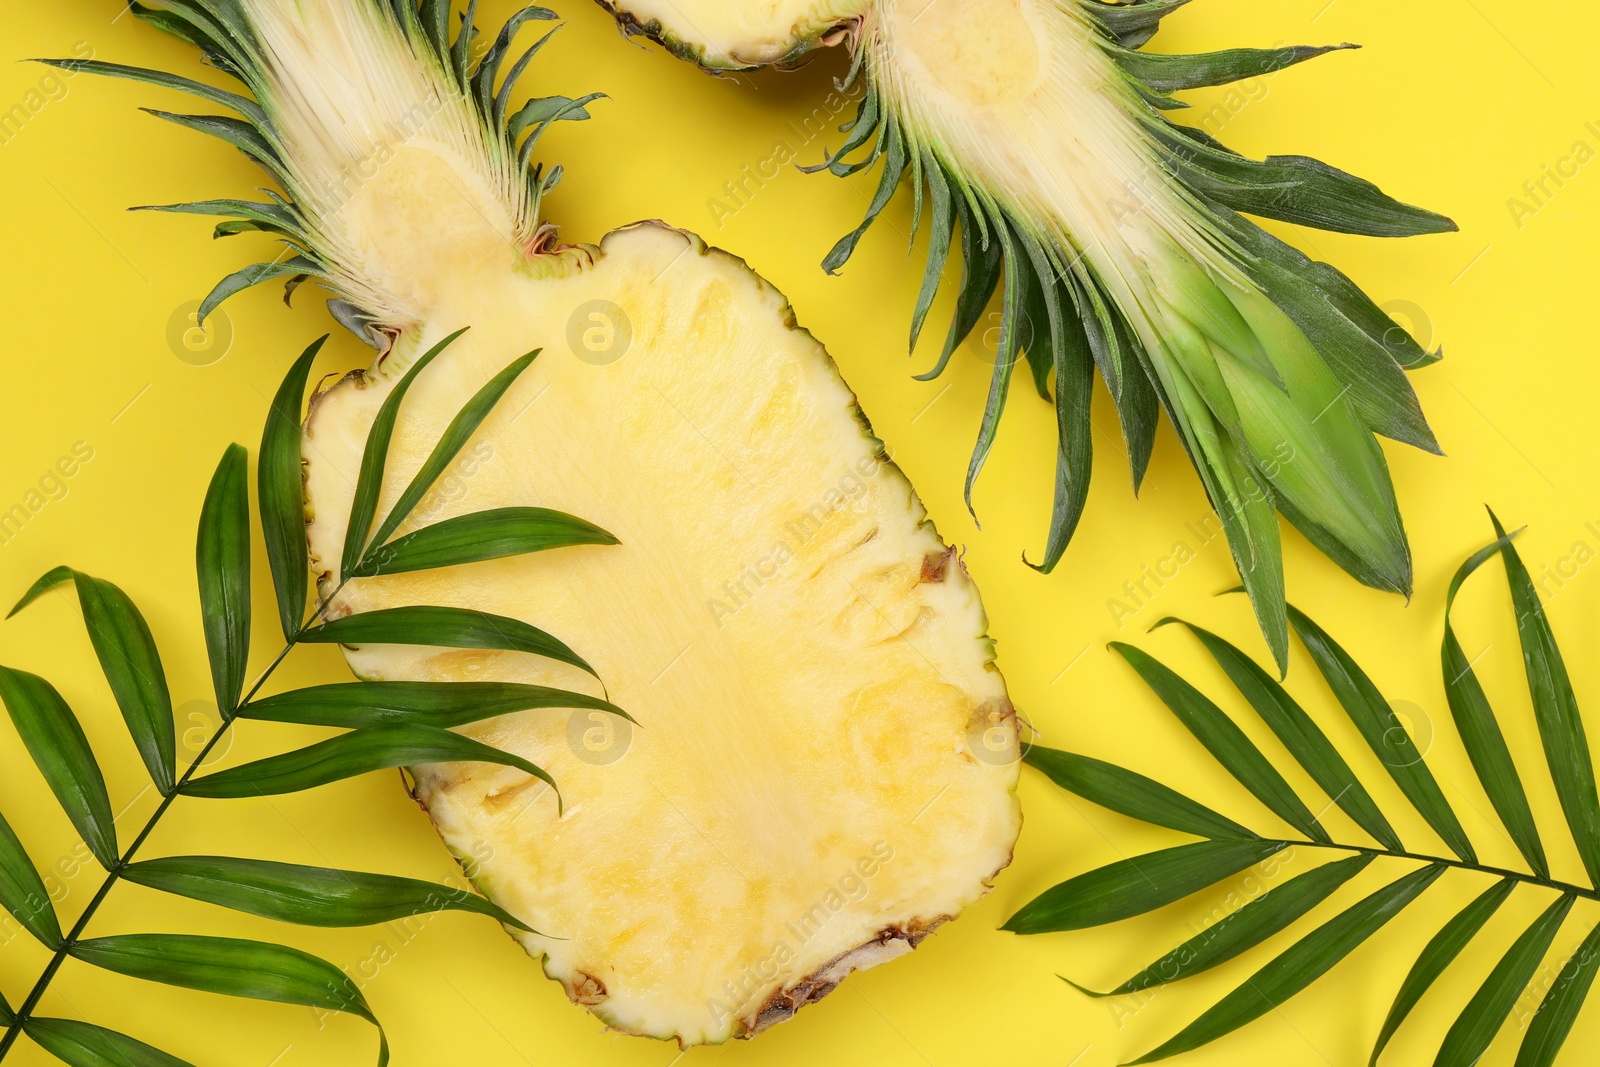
(1135, 886)
(385, 725)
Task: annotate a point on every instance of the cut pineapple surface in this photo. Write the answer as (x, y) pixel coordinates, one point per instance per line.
(825, 757)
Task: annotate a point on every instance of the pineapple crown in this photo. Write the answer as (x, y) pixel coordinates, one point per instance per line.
(277, 124)
(1074, 303)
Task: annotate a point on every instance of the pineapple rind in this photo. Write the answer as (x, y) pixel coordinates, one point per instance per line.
(792, 30)
(947, 860)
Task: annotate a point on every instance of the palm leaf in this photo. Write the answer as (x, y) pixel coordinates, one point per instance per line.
(1139, 884)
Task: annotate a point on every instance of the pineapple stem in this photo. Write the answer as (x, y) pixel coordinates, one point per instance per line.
(114, 875)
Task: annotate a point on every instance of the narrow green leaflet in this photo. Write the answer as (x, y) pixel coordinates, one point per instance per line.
(309, 896)
(1480, 733)
(373, 748)
(22, 891)
(1383, 733)
(369, 483)
(442, 704)
(482, 535)
(1566, 746)
(1246, 928)
(1131, 794)
(58, 746)
(232, 967)
(1300, 965)
(1300, 735)
(281, 492)
(1134, 886)
(127, 653)
(454, 438)
(1559, 1010)
(1224, 740)
(222, 560)
(86, 1045)
(1467, 1040)
(445, 628)
(1438, 954)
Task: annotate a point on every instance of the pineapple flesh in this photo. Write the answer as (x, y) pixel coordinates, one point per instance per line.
(1037, 129)
(825, 764)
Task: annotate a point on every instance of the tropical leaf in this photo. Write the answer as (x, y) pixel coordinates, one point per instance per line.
(222, 560)
(22, 891)
(444, 627)
(445, 705)
(372, 748)
(481, 535)
(55, 740)
(280, 489)
(128, 657)
(309, 896)
(1133, 886)
(237, 968)
(82, 1044)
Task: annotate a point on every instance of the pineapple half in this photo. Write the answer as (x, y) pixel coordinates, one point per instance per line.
(825, 766)
(1038, 128)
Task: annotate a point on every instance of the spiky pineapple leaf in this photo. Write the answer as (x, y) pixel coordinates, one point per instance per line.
(1172, 73)
(233, 967)
(307, 896)
(81, 1044)
(444, 705)
(56, 741)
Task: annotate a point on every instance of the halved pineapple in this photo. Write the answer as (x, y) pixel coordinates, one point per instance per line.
(826, 757)
(1038, 129)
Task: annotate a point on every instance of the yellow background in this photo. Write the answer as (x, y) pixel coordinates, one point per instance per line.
(1452, 103)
